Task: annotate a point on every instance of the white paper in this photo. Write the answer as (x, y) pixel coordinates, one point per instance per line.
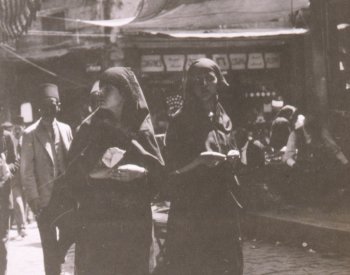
(112, 156)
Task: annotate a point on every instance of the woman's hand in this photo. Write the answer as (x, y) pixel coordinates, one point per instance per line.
(128, 172)
(233, 156)
(211, 159)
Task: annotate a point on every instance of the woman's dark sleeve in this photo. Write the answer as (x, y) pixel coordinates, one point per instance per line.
(78, 164)
(146, 153)
(172, 148)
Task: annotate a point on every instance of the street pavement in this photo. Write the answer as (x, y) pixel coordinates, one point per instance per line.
(25, 256)
(261, 258)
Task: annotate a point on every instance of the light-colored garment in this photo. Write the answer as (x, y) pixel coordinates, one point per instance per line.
(38, 169)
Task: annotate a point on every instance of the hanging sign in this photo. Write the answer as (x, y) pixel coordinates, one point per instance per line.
(272, 60)
(174, 62)
(222, 61)
(151, 63)
(238, 61)
(256, 61)
(90, 68)
(191, 58)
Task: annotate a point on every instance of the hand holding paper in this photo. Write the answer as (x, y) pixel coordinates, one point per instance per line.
(128, 172)
(211, 159)
(110, 159)
(112, 156)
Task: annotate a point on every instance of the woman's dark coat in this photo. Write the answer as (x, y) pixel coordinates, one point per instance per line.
(115, 236)
(203, 228)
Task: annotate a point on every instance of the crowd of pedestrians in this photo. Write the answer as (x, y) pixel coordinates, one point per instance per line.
(96, 189)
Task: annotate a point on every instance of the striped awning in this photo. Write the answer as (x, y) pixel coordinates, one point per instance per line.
(16, 16)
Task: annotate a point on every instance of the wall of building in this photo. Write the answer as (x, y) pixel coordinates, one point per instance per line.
(69, 54)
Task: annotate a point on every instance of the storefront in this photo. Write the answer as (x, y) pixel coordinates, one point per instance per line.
(259, 70)
(263, 58)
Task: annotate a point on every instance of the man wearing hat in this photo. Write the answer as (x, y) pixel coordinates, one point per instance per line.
(43, 163)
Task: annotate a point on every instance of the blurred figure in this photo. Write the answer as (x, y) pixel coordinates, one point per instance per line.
(325, 165)
(16, 186)
(7, 126)
(95, 101)
(8, 167)
(43, 163)
(251, 148)
(96, 96)
(287, 133)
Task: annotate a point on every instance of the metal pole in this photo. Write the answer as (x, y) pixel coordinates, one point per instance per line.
(319, 58)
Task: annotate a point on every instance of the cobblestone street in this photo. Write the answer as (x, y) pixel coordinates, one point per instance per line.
(263, 258)
(25, 258)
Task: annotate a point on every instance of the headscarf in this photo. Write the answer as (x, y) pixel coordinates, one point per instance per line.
(280, 130)
(136, 106)
(136, 135)
(282, 126)
(192, 106)
(288, 112)
(192, 130)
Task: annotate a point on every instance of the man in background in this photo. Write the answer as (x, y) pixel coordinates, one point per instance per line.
(43, 163)
(16, 186)
(8, 167)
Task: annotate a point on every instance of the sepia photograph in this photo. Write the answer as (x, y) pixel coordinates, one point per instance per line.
(174, 137)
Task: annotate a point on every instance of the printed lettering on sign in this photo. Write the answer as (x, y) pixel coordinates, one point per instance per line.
(191, 58)
(151, 63)
(174, 62)
(222, 61)
(256, 61)
(273, 60)
(238, 61)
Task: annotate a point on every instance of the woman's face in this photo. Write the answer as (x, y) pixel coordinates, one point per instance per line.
(113, 99)
(205, 85)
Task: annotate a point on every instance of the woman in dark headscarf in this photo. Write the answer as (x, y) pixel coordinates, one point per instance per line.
(203, 228)
(114, 203)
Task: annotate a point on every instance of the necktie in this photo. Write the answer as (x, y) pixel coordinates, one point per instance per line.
(55, 136)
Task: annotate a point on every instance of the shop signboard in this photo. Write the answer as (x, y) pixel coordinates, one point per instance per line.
(238, 61)
(192, 57)
(222, 61)
(256, 61)
(272, 60)
(152, 63)
(91, 68)
(174, 62)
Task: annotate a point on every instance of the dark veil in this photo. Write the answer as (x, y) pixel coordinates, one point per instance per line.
(136, 135)
(191, 125)
(191, 104)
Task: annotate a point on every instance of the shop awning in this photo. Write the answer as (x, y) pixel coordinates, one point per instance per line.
(16, 17)
(209, 15)
(109, 23)
(220, 34)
